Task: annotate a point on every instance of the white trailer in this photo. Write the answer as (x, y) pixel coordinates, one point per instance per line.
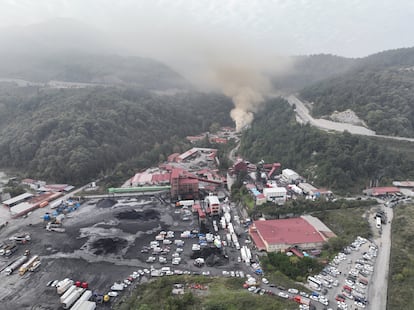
(85, 297)
(234, 238)
(28, 264)
(231, 228)
(228, 238)
(87, 305)
(227, 217)
(223, 222)
(56, 203)
(68, 302)
(63, 286)
(69, 292)
(17, 263)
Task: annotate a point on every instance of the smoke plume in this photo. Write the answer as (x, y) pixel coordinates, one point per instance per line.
(246, 86)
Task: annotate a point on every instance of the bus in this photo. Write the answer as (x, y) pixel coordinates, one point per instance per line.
(315, 283)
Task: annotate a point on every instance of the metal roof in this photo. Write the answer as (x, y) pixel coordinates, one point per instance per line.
(17, 198)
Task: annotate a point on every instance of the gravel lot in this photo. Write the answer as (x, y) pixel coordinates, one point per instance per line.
(102, 244)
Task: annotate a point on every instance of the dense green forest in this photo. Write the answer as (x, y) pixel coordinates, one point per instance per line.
(379, 89)
(72, 135)
(342, 162)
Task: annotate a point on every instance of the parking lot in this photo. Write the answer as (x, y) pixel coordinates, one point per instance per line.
(105, 242)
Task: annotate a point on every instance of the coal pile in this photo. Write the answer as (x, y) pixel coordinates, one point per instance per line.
(212, 256)
(145, 215)
(106, 203)
(108, 245)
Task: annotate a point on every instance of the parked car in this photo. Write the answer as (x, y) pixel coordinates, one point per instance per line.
(283, 295)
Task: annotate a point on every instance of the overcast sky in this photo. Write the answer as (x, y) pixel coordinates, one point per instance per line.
(342, 27)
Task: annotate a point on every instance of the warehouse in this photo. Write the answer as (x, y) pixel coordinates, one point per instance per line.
(275, 194)
(305, 232)
(16, 200)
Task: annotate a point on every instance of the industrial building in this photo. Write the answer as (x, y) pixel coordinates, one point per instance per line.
(381, 191)
(16, 200)
(290, 175)
(186, 174)
(275, 194)
(305, 232)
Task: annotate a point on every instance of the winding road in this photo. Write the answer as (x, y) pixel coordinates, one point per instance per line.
(303, 116)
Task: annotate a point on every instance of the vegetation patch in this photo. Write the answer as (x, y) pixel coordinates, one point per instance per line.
(222, 294)
(342, 162)
(292, 266)
(401, 273)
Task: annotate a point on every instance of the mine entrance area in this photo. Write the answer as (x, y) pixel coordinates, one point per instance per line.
(108, 246)
(145, 215)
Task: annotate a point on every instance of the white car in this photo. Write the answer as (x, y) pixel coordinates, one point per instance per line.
(112, 294)
(206, 273)
(251, 288)
(265, 281)
(360, 304)
(293, 291)
(146, 271)
(283, 295)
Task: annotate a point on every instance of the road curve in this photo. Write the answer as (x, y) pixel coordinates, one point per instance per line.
(303, 116)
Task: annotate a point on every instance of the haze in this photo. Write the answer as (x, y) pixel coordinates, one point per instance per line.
(229, 45)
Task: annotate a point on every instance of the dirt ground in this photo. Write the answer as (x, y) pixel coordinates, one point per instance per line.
(101, 245)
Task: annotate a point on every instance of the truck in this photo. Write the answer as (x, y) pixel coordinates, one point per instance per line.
(70, 300)
(87, 305)
(68, 292)
(16, 264)
(302, 300)
(25, 267)
(35, 266)
(8, 249)
(85, 297)
(63, 286)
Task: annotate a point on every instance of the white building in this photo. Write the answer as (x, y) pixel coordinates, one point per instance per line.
(290, 175)
(275, 194)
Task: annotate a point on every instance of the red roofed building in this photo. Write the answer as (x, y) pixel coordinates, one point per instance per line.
(279, 235)
(382, 191)
(173, 157)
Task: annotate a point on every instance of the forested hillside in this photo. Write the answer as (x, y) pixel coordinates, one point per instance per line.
(379, 89)
(91, 68)
(71, 135)
(307, 70)
(339, 161)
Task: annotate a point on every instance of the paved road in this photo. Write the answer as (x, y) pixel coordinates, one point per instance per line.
(303, 116)
(377, 293)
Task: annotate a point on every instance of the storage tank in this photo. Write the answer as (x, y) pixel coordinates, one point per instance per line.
(17, 263)
(68, 302)
(85, 297)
